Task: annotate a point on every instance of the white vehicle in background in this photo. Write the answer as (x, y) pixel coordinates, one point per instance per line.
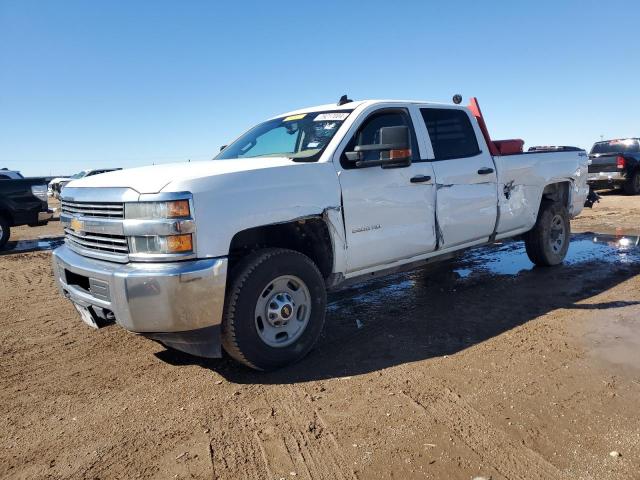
(57, 184)
(239, 251)
(6, 174)
(53, 189)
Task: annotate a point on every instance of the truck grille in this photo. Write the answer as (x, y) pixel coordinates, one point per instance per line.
(93, 209)
(116, 244)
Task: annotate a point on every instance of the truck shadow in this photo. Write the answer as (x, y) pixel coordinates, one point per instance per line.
(22, 246)
(425, 314)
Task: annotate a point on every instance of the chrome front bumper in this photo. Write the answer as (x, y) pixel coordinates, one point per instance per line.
(177, 303)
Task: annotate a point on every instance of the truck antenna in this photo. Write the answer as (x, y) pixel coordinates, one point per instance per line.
(344, 99)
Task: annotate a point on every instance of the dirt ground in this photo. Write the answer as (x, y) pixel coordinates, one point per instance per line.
(484, 367)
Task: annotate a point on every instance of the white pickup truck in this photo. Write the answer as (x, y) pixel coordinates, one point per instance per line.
(238, 252)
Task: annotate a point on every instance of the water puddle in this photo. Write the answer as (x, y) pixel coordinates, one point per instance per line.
(22, 246)
(510, 258)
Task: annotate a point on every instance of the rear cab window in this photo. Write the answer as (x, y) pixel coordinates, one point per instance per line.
(451, 133)
(629, 145)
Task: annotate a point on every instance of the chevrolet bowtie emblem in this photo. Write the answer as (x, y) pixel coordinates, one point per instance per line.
(77, 224)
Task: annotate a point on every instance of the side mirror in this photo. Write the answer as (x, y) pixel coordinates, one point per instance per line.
(394, 148)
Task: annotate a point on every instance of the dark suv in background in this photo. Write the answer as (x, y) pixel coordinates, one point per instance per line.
(615, 163)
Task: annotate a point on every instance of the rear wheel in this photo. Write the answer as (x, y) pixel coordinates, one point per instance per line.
(632, 185)
(547, 243)
(5, 231)
(275, 309)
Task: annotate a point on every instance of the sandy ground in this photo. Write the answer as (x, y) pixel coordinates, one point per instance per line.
(468, 370)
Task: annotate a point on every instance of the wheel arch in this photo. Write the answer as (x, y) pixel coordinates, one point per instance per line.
(310, 235)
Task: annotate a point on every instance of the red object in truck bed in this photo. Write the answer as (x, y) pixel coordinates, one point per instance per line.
(496, 147)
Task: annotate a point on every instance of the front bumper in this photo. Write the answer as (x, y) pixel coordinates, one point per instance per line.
(44, 217)
(605, 177)
(177, 303)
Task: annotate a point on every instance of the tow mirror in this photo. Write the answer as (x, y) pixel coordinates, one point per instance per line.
(394, 148)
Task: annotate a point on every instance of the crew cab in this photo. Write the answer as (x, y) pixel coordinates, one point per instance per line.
(22, 202)
(616, 163)
(238, 252)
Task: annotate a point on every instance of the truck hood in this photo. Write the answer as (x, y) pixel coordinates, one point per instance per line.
(154, 178)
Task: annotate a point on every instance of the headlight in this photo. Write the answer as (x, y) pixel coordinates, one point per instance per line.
(39, 191)
(158, 244)
(157, 210)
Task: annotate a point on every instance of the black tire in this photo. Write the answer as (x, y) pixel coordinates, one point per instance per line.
(543, 243)
(5, 232)
(632, 185)
(249, 281)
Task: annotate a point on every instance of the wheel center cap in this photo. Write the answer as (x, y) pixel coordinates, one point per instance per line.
(280, 309)
(285, 312)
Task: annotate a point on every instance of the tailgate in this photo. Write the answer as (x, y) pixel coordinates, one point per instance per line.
(603, 163)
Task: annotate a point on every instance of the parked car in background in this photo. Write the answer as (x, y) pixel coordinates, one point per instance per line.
(615, 163)
(22, 202)
(54, 185)
(60, 183)
(6, 174)
(239, 251)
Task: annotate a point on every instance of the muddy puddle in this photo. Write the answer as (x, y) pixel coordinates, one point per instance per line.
(508, 258)
(21, 246)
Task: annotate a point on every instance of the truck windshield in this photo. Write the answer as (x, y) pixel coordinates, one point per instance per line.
(630, 145)
(301, 137)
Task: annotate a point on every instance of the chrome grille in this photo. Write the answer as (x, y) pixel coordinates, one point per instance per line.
(115, 244)
(93, 209)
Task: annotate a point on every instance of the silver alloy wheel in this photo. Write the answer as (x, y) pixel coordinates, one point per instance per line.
(282, 311)
(557, 234)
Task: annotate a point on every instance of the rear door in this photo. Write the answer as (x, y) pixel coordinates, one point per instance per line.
(466, 180)
(388, 212)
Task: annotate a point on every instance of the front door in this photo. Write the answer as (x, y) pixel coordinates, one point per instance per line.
(465, 175)
(388, 212)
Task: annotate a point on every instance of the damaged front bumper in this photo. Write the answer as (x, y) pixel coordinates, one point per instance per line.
(176, 303)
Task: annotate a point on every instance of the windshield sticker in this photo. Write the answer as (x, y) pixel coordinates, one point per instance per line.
(313, 144)
(294, 117)
(339, 116)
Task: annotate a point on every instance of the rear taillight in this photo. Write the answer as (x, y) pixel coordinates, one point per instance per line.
(620, 162)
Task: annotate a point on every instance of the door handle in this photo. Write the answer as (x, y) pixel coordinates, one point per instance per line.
(485, 171)
(420, 178)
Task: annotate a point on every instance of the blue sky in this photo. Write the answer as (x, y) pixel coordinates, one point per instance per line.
(87, 84)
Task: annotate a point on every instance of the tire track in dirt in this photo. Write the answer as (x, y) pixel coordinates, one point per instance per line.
(492, 445)
(294, 439)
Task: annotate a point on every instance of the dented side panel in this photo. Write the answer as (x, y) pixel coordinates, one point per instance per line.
(227, 204)
(523, 178)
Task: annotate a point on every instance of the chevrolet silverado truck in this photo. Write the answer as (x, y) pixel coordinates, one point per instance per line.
(238, 252)
(615, 163)
(22, 202)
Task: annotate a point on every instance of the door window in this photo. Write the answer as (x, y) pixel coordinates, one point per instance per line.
(451, 133)
(369, 134)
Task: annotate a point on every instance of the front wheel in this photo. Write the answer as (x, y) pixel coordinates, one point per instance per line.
(275, 308)
(547, 243)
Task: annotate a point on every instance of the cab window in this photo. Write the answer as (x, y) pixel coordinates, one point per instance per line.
(369, 134)
(451, 133)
